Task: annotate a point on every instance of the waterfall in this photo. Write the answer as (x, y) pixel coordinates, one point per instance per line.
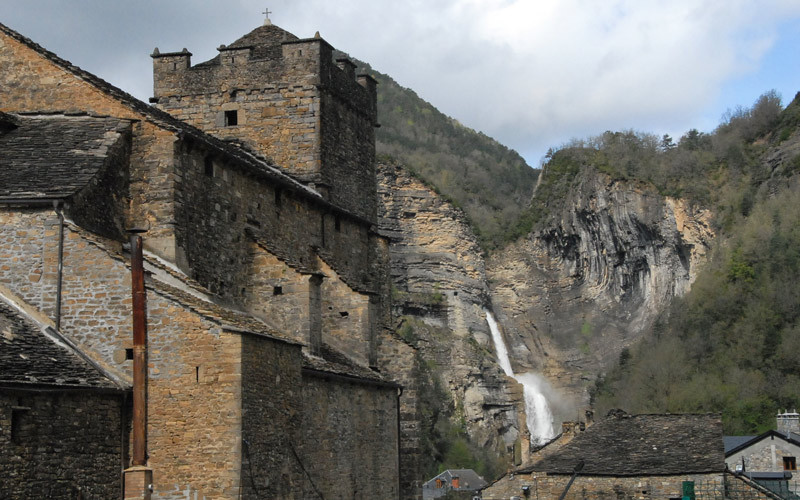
(539, 418)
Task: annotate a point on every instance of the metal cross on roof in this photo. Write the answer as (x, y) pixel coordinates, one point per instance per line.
(267, 12)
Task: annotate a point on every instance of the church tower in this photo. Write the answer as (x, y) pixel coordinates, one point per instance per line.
(285, 99)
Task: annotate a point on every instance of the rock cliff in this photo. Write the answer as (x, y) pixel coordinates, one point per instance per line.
(570, 296)
(575, 293)
(439, 293)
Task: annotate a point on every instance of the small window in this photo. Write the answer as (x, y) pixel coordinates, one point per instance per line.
(231, 118)
(277, 290)
(208, 166)
(278, 198)
(337, 224)
(17, 415)
(789, 463)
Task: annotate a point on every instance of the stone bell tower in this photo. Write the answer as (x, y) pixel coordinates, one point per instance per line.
(286, 99)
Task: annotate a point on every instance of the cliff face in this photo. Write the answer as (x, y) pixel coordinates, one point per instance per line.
(439, 293)
(572, 295)
(569, 297)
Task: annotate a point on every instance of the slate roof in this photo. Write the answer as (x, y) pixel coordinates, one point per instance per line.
(731, 442)
(642, 445)
(468, 479)
(265, 41)
(332, 362)
(53, 156)
(33, 356)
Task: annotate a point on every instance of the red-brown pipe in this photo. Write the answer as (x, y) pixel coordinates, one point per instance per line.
(139, 353)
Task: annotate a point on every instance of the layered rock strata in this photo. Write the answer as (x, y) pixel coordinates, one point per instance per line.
(574, 294)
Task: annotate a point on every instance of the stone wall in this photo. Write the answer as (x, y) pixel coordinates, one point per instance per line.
(401, 360)
(349, 438)
(219, 207)
(764, 456)
(278, 293)
(30, 82)
(271, 417)
(348, 323)
(594, 487)
(195, 375)
(60, 445)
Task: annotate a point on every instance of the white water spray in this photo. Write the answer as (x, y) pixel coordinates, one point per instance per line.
(539, 418)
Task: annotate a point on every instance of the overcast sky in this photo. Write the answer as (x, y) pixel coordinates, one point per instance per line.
(530, 73)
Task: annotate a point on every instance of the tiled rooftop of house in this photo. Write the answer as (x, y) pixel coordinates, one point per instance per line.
(638, 445)
(53, 156)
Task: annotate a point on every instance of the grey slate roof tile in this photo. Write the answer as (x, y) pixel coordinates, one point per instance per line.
(265, 41)
(334, 362)
(642, 445)
(53, 156)
(31, 357)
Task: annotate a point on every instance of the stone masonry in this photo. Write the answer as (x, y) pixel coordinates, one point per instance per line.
(266, 292)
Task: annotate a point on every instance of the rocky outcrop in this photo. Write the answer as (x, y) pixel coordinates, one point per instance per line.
(572, 295)
(439, 294)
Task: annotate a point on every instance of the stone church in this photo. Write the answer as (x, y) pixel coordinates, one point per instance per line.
(253, 175)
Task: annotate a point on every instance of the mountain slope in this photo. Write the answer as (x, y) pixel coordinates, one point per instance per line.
(732, 344)
(491, 183)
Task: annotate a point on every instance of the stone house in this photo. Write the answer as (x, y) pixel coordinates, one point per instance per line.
(769, 458)
(771, 451)
(266, 280)
(624, 457)
(464, 481)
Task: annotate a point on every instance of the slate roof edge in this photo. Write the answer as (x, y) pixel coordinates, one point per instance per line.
(255, 165)
(228, 327)
(638, 474)
(47, 329)
(61, 388)
(316, 372)
(763, 435)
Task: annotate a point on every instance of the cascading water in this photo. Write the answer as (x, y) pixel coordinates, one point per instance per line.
(539, 418)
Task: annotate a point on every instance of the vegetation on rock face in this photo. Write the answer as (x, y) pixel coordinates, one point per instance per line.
(732, 344)
(709, 169)
(491, 183)
(444, 442)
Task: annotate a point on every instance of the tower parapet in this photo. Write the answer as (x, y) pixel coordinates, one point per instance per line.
(286, 99)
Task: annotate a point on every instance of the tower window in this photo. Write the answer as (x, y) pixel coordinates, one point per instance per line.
(231, 118)
(208, 166)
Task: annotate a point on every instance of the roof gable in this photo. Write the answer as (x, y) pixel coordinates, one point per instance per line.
(739, 443)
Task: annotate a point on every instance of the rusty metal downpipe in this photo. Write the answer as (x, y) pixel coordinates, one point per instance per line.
(139, 350)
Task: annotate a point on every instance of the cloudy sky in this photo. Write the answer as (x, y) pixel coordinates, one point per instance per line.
(530, 73)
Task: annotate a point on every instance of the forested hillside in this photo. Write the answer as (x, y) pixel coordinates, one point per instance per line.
(490, 182)
(732, 344)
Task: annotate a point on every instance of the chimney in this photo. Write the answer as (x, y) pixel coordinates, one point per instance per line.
(788, 422)
(139, 477)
